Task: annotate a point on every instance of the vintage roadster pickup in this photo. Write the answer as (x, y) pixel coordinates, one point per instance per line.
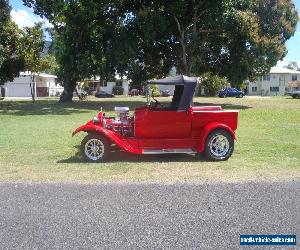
(160, 129)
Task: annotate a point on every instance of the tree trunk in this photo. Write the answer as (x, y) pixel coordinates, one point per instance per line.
(185, 67)
(100, 84)
(184, 60)
(32, 87)
(67, 94)
(97, 84)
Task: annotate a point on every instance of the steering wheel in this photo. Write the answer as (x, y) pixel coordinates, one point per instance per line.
(157, 103)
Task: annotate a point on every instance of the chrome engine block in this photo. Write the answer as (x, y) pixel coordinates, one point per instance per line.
(123, 123)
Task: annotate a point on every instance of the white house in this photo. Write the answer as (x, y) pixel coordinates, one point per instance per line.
(277, 82)
(108, 86)
(20, 86)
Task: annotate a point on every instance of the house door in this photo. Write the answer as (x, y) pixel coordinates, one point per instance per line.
(42, 91)
(2, 92)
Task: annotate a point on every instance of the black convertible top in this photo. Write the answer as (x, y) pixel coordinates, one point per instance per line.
(184, 90)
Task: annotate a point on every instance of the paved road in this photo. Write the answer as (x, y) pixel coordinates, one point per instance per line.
(123, 216)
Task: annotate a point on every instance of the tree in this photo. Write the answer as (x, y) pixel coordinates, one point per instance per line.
(238, 39)
(11, 63)
(88, 40)
(293, 66)
(212, 84)
(93, 38)
(52, 65)
(155, 55)
(31, 47)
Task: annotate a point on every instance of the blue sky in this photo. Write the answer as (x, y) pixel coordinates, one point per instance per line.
(24, 16)
(293, 44)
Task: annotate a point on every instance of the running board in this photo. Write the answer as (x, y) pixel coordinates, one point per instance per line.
(169, 151)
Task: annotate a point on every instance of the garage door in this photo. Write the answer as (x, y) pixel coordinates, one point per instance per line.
(18, 90)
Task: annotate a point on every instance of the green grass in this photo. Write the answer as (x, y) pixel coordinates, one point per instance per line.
(36, 144)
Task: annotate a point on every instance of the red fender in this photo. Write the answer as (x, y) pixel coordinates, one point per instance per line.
(89, 126)
(209, 128)
(110, 135)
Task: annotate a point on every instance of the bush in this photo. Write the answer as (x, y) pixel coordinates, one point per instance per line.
(118, 90)
(154, 90)
(212, 84)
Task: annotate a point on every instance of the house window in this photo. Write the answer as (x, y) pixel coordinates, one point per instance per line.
(274, 89)
(294, 78)
(254, 89)
(266, 78)
(103, 84)
(119, 83)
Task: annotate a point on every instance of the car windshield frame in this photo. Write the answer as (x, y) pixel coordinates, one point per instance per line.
(184, 90)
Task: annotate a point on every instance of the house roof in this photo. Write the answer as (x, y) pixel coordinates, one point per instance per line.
(117, 77)
(28, 73)
(175, 80)
(281, 70)
(47, 75)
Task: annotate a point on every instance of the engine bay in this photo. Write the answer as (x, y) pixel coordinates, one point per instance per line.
(123, 123)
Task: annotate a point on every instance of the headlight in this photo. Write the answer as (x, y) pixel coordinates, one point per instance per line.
(96, 120)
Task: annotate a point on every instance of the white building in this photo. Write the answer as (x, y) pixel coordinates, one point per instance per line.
(108, 86)
(277, 82)
(20, 86)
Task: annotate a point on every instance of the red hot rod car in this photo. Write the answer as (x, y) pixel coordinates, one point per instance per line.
(158, 129)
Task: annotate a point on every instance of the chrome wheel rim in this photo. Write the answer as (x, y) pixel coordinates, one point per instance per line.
(219, 145)
(94, 149)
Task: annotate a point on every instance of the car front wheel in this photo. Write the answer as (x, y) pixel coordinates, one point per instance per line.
(95, 148)
(219, 145)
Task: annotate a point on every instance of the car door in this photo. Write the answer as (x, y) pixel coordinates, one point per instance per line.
(228, 92)
(231, 92)
(162, 124)
(235, 92)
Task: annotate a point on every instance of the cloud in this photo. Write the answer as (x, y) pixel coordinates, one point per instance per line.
(23, 18)
(282, 63)
(46, 23)
(285, 62)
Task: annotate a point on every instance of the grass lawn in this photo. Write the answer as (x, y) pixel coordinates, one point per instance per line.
(36, 144)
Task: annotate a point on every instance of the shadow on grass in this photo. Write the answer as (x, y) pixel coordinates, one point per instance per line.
(292, 98)
(121, 157)
(52, 107)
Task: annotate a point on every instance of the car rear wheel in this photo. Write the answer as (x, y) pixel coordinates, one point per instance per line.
(95, 148)
(241, 96)
(219, 145)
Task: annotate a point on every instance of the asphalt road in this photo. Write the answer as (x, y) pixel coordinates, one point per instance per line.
(145, 216)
